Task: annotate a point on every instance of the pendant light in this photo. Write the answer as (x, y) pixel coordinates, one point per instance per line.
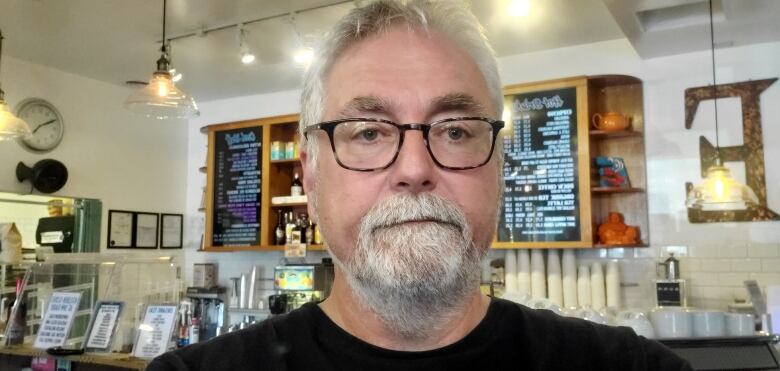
(161, 99)
(719, 191)
(11, 127)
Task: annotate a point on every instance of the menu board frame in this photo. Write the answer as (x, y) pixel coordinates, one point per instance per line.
(213, 130)
(583, 159)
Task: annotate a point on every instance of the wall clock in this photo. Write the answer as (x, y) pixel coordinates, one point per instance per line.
(45, 122)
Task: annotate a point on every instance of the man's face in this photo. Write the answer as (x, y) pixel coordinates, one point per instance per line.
(405, 77)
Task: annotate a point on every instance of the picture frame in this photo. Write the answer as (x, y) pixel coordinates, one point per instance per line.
(120, 229)
(171, 231)
(146, 230)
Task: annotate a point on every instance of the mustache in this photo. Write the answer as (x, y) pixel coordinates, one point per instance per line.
(405, 208)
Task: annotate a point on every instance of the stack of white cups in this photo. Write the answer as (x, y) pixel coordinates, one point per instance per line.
(524, 272)
(538, 278)
(613, 284)
(510, 271)
(583, 286)
(554, 279)
(598, 297)
(569, 267)
(561, 280)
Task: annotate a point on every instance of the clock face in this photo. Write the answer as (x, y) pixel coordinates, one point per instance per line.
(45, 123)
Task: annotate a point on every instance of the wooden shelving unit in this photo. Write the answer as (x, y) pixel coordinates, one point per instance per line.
(608, 190)
(276, 179)
(621, 94)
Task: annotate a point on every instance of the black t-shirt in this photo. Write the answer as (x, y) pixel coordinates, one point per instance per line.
(510, 337)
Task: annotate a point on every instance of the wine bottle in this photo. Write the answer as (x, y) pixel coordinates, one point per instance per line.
(288, 228)
(279, 235)
(304, 225)
(297, 187)
(297, 232)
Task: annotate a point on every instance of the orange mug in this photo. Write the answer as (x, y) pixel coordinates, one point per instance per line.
(610, 121)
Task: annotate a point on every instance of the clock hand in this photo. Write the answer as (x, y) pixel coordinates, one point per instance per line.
(44, 124)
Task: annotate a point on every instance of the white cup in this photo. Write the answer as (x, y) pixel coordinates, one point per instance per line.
(708, 323)
(740, 324)
(589, 314)
(671, 323)
(637, 321)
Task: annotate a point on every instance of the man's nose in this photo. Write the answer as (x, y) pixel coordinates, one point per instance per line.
(414, 169)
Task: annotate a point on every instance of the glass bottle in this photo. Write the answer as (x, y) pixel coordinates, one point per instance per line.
(288, 228)
(296, 189)
(279, 233)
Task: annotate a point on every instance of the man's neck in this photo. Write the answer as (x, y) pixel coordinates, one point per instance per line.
(344, 309)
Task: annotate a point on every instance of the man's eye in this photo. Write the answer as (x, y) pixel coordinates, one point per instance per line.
(368, 134)
(455, 133)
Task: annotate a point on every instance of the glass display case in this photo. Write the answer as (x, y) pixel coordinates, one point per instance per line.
(135, 282)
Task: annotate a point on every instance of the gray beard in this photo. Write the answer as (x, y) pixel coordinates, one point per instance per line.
(414, 276)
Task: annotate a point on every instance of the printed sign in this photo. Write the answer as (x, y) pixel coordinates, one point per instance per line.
(541, 196)
(57, 320)
(155, 331)
(103, 325)
(237, 179)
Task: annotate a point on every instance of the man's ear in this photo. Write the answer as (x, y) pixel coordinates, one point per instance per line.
(309, 183)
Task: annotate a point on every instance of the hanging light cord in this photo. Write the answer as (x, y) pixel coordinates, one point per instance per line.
(1, 64)
(164, 8)
(714, 87)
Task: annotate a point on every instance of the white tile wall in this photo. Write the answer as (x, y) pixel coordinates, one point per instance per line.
(715, 273)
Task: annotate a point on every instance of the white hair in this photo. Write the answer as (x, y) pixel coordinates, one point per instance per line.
(450, 18)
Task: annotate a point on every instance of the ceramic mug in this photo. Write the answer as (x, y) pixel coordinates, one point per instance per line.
(590, 314)
(671, 323)
(637, 321)
(740, 324)
(708, 323)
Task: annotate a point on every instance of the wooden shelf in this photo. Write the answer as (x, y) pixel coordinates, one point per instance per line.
(308, 247)
(286, 161)
(289, 204)
(259, 248)
(601, 134)
(602, 246)
(113, 360)
(603, 190)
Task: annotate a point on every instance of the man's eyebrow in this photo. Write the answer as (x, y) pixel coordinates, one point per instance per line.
(366, 104)
(458, 102)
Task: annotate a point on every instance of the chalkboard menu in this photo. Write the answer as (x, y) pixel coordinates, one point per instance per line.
(236, 187)
(541, 169)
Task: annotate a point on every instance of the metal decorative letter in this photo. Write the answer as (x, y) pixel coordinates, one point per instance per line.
(751, 152)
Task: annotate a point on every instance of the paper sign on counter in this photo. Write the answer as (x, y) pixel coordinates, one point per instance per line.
(103, 325)
(57, 320)
(155, 331)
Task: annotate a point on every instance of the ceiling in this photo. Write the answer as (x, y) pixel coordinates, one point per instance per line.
(117, 40)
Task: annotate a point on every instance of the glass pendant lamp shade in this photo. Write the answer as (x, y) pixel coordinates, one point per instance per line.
(161, 99)
(11, 127)
(721, 192)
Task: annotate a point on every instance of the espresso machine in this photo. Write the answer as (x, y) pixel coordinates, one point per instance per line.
(298, 284)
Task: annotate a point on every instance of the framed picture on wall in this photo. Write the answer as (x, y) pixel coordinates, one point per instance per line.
(120, 229)
(146, 230)
(171, 231)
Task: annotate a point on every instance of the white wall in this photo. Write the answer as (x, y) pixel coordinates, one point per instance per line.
(126, 161)
(716, 257)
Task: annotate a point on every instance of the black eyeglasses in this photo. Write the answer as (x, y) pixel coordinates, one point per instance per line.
(367, 144)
